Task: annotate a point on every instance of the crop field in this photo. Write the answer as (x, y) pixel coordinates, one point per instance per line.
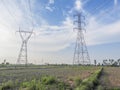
(111, 78)
(60, 78)
(15, 77)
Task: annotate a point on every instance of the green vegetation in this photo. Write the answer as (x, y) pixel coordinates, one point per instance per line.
(48, 80)
(100, 87)
(78, 81)
(59, 78)
(44, 77)
(91, 82)
(110, 78)
(6, 86)
(45, 83)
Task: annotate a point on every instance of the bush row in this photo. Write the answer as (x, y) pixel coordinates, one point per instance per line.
(44, 83)
(91, 82)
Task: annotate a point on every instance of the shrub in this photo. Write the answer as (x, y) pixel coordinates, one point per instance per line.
(32, 85)
(7, 85)
(48, 80)
(115, 89)
(25, 84)
(82, 88)
(40, 86)
(77, 81)
(89, 83)
(100, 88)
(61, 86)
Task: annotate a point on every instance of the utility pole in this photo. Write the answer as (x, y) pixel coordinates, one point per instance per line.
(81, 55)
(23, 55)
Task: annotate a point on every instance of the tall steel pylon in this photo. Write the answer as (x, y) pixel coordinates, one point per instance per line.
(23, 57)
(81, 55)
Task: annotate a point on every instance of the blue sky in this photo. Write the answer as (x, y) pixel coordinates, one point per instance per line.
(54, 38)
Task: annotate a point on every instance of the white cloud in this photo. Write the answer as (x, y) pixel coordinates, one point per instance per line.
(49, 8)
(54, 38)
(12, 16)
(49, 38)
(98, 33)
(51, 1)
(78, 5)
(115, 2)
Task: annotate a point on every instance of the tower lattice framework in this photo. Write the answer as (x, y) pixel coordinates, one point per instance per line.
(23, 56)
(81, 55)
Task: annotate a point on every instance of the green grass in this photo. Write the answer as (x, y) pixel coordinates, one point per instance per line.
(8, 85)
(48, 80)
(45, 77)
(91, 82)
(45, 83)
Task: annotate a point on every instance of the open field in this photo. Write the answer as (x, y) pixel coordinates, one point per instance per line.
(110, 77)
(65, 74)
(62, 73)
(59, 78)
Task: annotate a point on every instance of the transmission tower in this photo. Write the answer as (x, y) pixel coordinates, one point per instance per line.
(81, 55)
(23, 57)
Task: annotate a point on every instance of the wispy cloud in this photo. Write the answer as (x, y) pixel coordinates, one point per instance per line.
(51, 1)
(49, 8)
(12, 16)
(51, 38)
(100, 34)
(115, 2)
(55, 39)
(78, 5)
(49, 5)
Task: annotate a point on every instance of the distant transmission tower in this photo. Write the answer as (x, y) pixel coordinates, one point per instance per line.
(81, 55)
(25, 36)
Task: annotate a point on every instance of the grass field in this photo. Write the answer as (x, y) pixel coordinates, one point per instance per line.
(110, 78)
(59, 78)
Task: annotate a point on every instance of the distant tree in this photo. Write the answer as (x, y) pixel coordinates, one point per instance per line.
(95, 62)
(2, 64)
(115, 63)
(4, 61)
(7, 63)
(47, 64)
(98, 64)
(111, 61)
(118, 62)
(105, 62)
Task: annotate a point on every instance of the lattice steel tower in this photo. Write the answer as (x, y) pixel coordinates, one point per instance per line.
(23, 57)
(81, 55)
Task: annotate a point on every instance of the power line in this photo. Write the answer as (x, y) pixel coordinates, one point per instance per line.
(3, 24)
(108, 12)
(100, 7)
(29, 3)
(105, 9)
(13, 16)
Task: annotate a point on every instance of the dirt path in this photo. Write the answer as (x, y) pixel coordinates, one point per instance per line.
(110, 77)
